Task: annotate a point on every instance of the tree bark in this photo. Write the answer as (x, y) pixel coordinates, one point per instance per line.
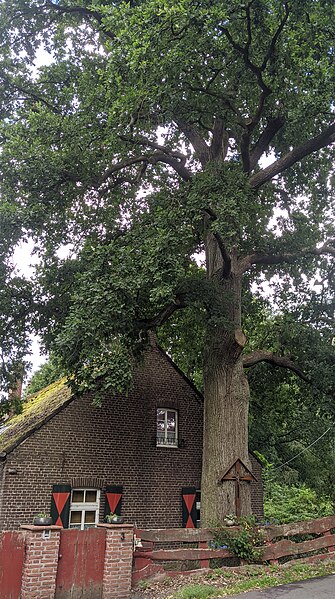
(226, 393)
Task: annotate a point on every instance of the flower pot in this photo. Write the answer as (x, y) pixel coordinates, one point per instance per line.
(42, 521)
(116, 520)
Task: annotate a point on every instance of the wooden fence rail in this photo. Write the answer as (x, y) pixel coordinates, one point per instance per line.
(278, 545)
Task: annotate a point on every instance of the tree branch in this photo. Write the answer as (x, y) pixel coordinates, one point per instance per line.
(288, 258)
(226, 270)
(165, 314)
(271, 358)
(147, 159)
(28, 93)
(323, 140)
(265, 139)
(155, 146)
(244, 52)
(197, 141)
(80, 10)
(275, 37)
(219, 145)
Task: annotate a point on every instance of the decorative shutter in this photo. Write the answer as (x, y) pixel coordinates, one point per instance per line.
(113, 501)
(189, 511)
(60, 505)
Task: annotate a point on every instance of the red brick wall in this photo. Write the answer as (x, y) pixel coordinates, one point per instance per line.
(116, 444)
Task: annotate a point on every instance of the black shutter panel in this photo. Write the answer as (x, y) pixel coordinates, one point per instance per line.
(189, 512)
(60, 505)
(113, 501)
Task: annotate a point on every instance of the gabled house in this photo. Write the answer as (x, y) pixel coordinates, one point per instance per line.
(138, 454)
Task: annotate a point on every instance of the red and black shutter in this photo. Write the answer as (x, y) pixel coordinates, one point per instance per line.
(60, 505)
(113, 500)
(189, 511)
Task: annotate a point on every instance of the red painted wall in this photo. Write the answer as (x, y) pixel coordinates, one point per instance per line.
(11, 564)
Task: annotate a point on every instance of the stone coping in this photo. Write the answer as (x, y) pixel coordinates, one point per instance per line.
(34, 528)
(115, 526)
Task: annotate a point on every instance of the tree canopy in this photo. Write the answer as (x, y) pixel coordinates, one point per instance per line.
(160, 131)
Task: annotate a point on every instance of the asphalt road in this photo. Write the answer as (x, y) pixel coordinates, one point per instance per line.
(316, 588)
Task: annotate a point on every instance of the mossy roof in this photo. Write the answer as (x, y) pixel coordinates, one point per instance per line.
(37, 410)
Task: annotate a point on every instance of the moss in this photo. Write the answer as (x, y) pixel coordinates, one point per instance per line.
(36, 410)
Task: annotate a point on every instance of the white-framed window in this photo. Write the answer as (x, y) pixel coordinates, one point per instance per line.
(167, 427)
(84, 508)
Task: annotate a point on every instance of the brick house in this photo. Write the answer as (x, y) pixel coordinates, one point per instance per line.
(138, 454)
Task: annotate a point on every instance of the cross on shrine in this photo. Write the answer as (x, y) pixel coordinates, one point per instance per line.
(235, 473)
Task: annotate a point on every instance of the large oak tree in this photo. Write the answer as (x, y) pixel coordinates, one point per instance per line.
(141, 145)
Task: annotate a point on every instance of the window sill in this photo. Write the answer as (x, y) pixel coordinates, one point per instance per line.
(168, 446)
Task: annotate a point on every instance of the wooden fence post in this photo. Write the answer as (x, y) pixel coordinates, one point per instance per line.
(41, 562)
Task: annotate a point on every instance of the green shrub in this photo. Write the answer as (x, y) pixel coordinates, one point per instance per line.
(245, 542)
(285, 503)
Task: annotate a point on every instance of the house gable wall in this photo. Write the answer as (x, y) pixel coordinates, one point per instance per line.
(115, 444)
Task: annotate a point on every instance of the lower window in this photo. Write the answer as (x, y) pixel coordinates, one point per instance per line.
(84, 508)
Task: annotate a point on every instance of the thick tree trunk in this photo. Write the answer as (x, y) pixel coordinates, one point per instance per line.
(226, 393)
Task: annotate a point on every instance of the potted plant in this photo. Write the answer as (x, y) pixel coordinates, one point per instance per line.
(114, 519)
(42, 519)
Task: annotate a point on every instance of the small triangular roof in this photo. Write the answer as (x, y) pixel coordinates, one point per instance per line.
(229, 475)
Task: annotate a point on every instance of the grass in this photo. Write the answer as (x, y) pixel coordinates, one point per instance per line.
(220, 583)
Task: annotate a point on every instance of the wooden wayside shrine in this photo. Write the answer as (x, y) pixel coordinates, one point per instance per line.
(239, 473)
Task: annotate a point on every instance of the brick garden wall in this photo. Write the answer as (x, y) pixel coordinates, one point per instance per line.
(46, 562)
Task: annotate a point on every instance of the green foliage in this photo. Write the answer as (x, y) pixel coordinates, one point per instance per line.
(15, 325)
(45, 375)
(284, 503)
(82, 164)
(245, 542)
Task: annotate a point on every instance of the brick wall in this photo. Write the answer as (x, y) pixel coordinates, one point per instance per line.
(40, 563)
(257, 498)
(118, 562)
(115, 444)
(86, 446)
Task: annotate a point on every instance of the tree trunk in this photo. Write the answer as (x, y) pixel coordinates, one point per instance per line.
(226, 393)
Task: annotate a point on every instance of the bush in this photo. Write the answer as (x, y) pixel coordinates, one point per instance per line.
(245, 543)
(285, 503)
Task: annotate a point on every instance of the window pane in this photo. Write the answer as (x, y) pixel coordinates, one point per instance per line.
(75, 518)
(171, 421)
(91, 496)
(77, 496)
(89, 517)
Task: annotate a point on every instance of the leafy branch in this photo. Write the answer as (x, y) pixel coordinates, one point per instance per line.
(324, 139)
(82, 11)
